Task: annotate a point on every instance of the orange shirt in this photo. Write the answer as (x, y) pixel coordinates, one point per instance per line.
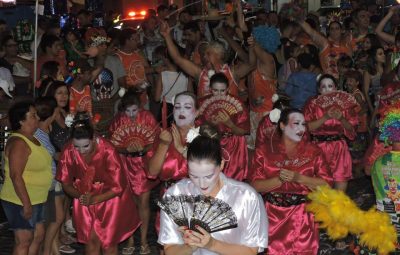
(330, 55)
(203, 87)
(134, 65)
(261, 88)
(80, 100)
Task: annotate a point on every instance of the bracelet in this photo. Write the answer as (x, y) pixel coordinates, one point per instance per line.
(184, 150)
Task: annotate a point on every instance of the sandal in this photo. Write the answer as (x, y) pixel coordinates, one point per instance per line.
(67, 249)
(145, 249)
(128, 250)
(67, 239)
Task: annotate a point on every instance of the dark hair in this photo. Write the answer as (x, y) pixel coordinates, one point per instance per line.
(282, 103)
(162, 7)
(18, 112)
(305, 60)
(52, 88)
(125, 35)
(326, 76)
(284, 118)
(190, 94)
(219, 77)
(45, 107)
(374, 40)
(206, 146)
(356, 75)
(312, 23)
(6, 39)
(47, 41)
(371, 61)
(131, 97)
(345, 61)
(314, 53)
(82, 127)
(288, 47)
(50, 69)
(193, 26)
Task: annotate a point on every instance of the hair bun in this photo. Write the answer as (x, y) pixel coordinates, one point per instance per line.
(209, 131)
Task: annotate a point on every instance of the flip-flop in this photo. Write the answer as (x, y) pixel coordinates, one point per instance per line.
(66, 249)
(145, 249)
(128, 250)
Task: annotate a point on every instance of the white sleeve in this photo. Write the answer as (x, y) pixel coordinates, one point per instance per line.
(169, 233)
(256, 232)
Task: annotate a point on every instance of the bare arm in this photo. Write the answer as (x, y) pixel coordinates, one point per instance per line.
(157, 161)
(245, 69)
(366, 84)
(379, 29)
(18, 154)
(223, 248)
(178, 249)
(187, 66)
(266, 60)
(315, 124)
(234, 45)
(71, 191)
(240, 16)
(158, 89)
(316, 37)
(266, 185)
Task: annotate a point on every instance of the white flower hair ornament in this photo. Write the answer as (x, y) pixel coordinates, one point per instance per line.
(275, 115)
(192, 134)
(121, 92)
(275, 97)
(69, 120)
(210, 73)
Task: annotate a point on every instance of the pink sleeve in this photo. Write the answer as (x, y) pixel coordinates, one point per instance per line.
(116, 178)
(321, 167)
(258, 165)
(65, 165)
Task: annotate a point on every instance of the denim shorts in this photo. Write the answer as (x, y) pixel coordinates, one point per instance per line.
(14, 214)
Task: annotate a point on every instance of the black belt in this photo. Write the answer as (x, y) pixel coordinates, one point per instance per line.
(326, 138)
(284, 199)
(135, 154)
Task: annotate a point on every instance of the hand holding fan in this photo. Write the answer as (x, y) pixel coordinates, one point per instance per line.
(338, 99)
(220, 103)
(128, 135)
(211, 214)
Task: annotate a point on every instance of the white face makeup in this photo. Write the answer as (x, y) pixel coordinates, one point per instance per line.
(205, 175)
(219, 89)
(184, 111)
(296, 127)
(84, 146)
(326, 86)
(132, 111)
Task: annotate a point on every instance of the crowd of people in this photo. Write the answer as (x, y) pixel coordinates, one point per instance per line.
(255, 111)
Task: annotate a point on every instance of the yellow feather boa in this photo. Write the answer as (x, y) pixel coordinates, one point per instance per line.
(340, 215)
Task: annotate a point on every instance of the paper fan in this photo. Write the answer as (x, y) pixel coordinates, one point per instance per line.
(128, 134)
(340, 99)
(215, 104)
(210, 213)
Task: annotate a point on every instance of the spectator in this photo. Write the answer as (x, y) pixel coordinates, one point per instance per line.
(302, 84)
(27, 180)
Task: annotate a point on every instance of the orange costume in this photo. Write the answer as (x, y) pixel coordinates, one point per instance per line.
(80, 101)
(203, 87)
(134, 65)
(331, 54)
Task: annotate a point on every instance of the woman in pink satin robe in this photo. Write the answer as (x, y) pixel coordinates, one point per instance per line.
(284, 174)
(91, 172)
(331, 119)
(132, 132)
(232, 129)
(167, 158)
(267, 128)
